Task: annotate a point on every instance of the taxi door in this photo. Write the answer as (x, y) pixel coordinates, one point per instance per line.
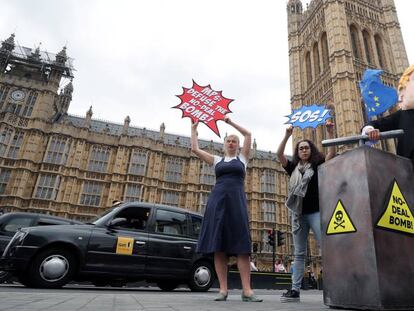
(171, 249)
(120, 248)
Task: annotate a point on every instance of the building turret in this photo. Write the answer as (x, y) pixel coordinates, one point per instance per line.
(254, 148)
(34, 78)
(58, 70)
(8, 44)
(64, 99)
(88, 118)
(61, 57)
(294, 12)
(162, 131)
(399, 55)
(35, 55)
(127, 121)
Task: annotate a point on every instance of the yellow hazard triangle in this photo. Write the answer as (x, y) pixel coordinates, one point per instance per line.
(340, 221)
(397, 216)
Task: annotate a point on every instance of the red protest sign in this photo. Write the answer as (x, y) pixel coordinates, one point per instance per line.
(203, 104)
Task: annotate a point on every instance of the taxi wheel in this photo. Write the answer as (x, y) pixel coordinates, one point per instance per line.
(167, 286)
(202, 276)
(52, 268)
(4, 276)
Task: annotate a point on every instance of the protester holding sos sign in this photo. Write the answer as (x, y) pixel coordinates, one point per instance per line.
(225, 229)
(303, 198)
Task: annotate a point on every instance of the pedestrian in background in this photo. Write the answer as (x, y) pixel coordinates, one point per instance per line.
(225, 229)
(253, 266)
(279, 267)
(303, 200)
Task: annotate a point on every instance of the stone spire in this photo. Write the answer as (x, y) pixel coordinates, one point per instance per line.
(294, 6)
(126, 125)
(36, 54)
(8, 44)
(65, 97)
(254, 147)
(162, 131)
(88, 118)
(61, 57)
(68, 90)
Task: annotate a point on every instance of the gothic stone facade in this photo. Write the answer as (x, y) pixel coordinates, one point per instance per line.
(331, 43)
(55, 163)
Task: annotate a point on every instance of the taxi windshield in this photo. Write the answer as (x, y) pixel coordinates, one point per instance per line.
(96, 218)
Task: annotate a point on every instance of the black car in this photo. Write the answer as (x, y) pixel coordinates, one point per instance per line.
(11, 222)
(132, 242)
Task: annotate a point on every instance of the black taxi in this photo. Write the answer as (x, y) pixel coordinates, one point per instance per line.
(11, 222)
(132, 242)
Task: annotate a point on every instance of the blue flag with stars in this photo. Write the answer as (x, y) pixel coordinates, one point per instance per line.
(377, 97)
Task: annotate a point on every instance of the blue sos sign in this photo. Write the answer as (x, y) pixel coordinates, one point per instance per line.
(309, 116)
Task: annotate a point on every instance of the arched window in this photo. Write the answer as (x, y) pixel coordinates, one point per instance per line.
(355, 41)
(325, 51)
(316, 60)
(368, 47)
(308, 69)
(380, 51)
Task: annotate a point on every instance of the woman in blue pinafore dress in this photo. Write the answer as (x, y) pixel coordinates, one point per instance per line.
(225, 229)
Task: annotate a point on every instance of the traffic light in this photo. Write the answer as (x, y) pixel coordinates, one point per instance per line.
(281, 236)
(271, 237)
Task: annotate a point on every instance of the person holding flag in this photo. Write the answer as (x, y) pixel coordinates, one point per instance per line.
(401, 119)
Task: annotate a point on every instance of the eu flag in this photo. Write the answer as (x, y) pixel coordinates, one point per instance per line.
(377, 97)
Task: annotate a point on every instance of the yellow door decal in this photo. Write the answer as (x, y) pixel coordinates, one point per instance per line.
(124, 246)
(340, 221)
(397, 215)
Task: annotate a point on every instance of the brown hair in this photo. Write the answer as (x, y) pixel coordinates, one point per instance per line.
(315, 157)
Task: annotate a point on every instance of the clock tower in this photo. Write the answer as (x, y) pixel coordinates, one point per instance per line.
(35, 84)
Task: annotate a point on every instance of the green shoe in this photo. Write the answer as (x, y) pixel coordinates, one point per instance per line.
(251, 298)
(221, 297)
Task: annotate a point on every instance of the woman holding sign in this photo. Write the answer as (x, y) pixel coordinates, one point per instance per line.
(225, 229)
(303, 200)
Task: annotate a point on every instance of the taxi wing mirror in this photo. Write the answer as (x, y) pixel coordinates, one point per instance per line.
(117, 222)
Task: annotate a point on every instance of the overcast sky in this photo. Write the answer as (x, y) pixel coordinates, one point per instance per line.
(133, 57)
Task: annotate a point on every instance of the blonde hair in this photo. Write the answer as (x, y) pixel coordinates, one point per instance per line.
(230, 136)
(405, 78)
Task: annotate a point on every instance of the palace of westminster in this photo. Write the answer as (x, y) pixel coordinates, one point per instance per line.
(56, 163)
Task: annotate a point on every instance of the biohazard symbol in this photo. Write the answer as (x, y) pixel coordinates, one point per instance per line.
(124, 245)
(397, 215)
(340, 221)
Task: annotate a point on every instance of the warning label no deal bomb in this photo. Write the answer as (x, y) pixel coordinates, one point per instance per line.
(397, 215)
